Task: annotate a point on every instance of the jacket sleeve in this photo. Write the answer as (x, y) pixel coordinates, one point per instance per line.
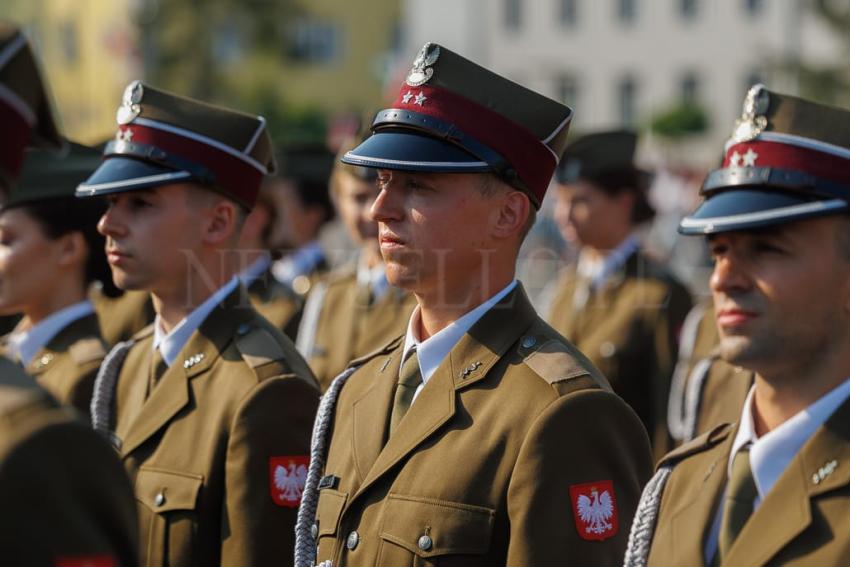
(272, 428)
(583, 441)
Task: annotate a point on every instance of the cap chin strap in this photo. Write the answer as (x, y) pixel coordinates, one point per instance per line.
(153, 154)
(792, 181)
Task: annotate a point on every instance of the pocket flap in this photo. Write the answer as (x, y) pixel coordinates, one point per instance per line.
(329, 510)
(450, 527)
(164, 491)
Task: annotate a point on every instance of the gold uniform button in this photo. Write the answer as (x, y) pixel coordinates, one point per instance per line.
(301, 284)
(425, 543)
(314, 531)
(352, 541)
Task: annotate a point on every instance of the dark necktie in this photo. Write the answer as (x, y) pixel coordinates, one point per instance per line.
(741, 494)
(157, 369)
(409, 378)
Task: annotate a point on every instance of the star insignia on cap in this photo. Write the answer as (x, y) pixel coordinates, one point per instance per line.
(407, 96)
(420, 99)
(735, 159)
(750, 158)
(124, 135)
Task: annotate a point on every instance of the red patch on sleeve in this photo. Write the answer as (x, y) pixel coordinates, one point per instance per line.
(595, 510)
(86, 561)
(287, 477)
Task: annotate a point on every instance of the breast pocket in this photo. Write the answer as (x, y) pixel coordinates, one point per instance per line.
(328, 513)
(167, 515)
(421, 532)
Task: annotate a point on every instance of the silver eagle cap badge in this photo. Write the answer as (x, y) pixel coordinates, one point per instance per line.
(421, 71)
(752, 121)
(130, 109)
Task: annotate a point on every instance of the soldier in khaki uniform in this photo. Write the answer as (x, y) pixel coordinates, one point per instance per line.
(481, 437)
(773, 488)
(58, 340)
(211, 407)
(706, 391)
(353, 310)
(619, 307)
(65, 498)
(123, 316)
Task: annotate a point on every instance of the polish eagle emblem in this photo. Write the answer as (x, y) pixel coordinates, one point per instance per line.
(595, 510)
(288, 478)
(421, 71)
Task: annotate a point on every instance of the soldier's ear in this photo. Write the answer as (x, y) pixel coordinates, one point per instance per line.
(73, 249)
(222, 224)
(513, 214)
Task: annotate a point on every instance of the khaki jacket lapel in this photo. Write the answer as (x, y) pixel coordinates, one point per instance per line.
(786, 511)
(692, 521)
(467, 363)
(198, 355)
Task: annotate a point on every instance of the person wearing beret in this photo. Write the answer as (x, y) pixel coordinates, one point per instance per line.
(65, 497)
(705, 391)
(352, 310)
(58, 340)
(480, 437)
(619, 307)
(772, 488)
(211, 407)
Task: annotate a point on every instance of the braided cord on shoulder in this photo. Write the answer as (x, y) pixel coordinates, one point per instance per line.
(643, 526)
(305, 544)
(104, 387)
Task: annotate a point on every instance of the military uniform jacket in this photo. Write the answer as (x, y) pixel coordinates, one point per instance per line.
(277, 302)
(67, 365)
(350, 326)
(629, 329)
(122, 317)
(63, 493)
(801, 522)
(206, 449)
(486, 467)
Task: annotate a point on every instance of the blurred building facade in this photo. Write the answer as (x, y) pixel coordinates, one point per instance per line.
(624, 62)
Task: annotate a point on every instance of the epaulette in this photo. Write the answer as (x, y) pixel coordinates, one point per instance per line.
(87, 350)
(699, 444)
(554, 361)
(258, 346)
(386, 349)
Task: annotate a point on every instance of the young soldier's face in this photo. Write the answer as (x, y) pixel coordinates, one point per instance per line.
(354, 198)
(151, 236)
(433, 229)
(781, 295)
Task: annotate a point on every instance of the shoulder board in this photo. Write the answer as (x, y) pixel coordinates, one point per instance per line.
(258, 346)
(144, 333)
(697, 445)
(87, 350)
(386, 349)
(554, 361)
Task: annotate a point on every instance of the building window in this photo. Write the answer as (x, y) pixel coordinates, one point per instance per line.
(513, 14)
(688, 9)
(568, 12)
(690, 88)
(627, 11)
(567, 90)
(627, 101)
(314, 41)
(754, 7)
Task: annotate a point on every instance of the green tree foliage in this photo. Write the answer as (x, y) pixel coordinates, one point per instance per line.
(683, 119)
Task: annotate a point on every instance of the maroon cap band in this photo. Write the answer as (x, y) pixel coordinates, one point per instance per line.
(533, 161)
(235, 176)
(789, 156)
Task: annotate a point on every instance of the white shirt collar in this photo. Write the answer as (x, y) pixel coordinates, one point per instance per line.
(171, 344)
(598, 271)
(299, 263)
(253, 272)
(771, 453)
(375, 278)
(435, 348)
(26, 344)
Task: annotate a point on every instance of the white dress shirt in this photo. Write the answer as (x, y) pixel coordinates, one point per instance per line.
(435, 348)
(299, 263)
(171, 344)
(771, 453)
(375, 278)
(25, 344)
(598, 271)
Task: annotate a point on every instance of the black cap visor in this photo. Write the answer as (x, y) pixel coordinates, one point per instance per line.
(746, 208)
(405, 149)
(118, 174)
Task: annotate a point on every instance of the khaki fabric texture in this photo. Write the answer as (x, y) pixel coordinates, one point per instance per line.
(122, 317)
(277, 303)
(485, 457)
(348, 328)
(64, 492)
(67, 365)
(799, 523)
(629, 330)
(237, 396)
